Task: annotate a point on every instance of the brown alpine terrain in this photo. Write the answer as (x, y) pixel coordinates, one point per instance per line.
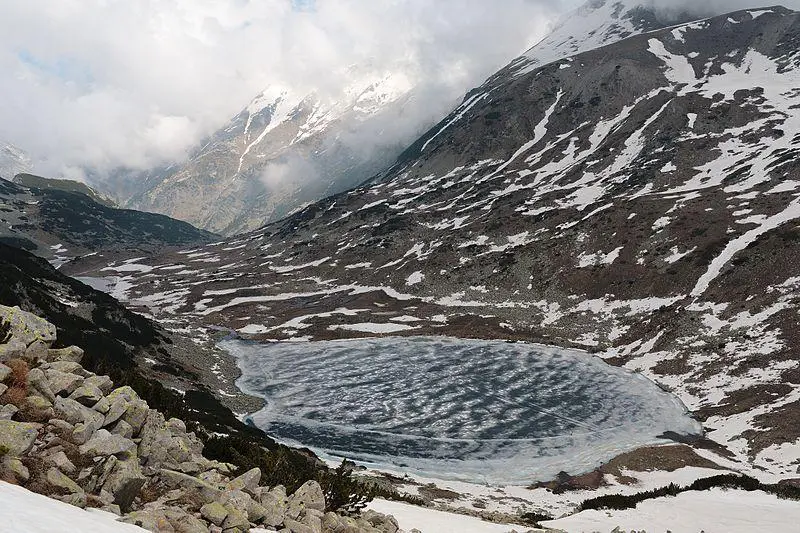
(639, 199)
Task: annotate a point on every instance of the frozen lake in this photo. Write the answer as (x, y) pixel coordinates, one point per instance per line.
(485, 411)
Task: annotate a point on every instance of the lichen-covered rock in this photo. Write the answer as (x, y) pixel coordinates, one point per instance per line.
(27, 327)
(18, 437)
(12, 350)
(309, 495)
(125, 481)
(4, 372)
(37, 380)
(247, 482)
(104, 444)
(71, 354)
(57, 479)
(86, 394)
(215, 513)
(62, 383)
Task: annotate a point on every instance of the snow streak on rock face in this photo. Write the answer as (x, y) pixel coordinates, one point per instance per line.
(288, 147)
(474, 410)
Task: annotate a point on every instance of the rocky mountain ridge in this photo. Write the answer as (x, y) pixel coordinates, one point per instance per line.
(638, 200)
(288, 147)
(60, 220)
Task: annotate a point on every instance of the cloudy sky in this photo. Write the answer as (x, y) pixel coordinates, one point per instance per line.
(107, 83)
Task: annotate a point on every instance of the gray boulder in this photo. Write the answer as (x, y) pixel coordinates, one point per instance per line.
(86, 394)
(247, 482)
(62, 383)
(125, 481)
(59, 480)
(104, 444)
(71, 354)
(214, 512)
(18, 437)
(309, 495)
(27, 327)
(4, 372)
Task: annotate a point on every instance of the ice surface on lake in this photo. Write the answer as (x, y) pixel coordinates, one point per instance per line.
(486, 411)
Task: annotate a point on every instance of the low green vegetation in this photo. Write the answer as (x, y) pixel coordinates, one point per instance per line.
(725, 481)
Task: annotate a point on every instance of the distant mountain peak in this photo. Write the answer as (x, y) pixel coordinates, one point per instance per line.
(13, 161)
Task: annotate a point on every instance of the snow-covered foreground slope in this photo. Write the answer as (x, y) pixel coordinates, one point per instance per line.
(24, 511)
(714, 511)
(433, 521)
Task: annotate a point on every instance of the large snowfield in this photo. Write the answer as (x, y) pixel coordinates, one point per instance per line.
(714, 511)
(23, 511)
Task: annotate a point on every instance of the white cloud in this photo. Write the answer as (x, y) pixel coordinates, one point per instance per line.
(113, 82)
(105, 83)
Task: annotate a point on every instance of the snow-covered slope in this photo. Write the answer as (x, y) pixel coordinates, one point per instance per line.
(23, 510)
(593, 25)
(714, 511)
(288, 147)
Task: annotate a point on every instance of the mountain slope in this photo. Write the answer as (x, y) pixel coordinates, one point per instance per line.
(640, 199)
(57, 223)
(13, 161)
(287, 148)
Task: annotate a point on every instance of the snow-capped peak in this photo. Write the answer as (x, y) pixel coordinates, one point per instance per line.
(597, 23)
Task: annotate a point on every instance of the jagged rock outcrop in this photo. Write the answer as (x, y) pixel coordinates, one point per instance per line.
(70, 434)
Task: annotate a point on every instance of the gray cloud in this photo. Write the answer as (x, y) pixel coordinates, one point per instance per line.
(107, 83)
(717, 7)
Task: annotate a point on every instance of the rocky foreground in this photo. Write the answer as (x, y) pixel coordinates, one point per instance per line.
(70, 434)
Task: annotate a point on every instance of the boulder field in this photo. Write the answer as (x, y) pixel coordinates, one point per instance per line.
(72, 435)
